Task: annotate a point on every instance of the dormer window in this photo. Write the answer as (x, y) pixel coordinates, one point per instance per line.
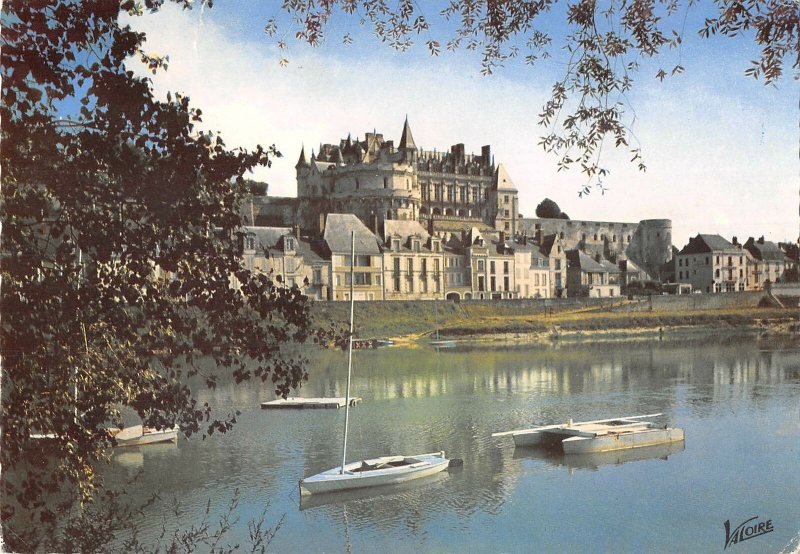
(396, 245)
(415, 245)
(289, 243)
(250, 243)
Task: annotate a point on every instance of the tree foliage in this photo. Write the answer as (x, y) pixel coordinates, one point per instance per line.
(118, 256)
(604, 44)
(548, 209)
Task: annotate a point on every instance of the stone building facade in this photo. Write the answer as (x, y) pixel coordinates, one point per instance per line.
(647, 243)
(378, 181)
(709, 263)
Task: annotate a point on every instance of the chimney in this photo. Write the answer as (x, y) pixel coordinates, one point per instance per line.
(761, 239)
(463, 236)
(537, 238)
(321, 223)
(735, 241)
(502, 237)
(296, 231)
(373, 223)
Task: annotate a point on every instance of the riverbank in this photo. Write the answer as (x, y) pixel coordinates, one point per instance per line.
(410, 322)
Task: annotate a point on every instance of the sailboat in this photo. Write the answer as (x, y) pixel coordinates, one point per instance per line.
(375, 472)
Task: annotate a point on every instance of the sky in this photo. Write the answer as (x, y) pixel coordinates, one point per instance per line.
(721, 148)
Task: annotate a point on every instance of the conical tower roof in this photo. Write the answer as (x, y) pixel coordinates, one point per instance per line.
(407, 140)
(302, 161)
(502, 179)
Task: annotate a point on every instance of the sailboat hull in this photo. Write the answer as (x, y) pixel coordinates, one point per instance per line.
(377, 472)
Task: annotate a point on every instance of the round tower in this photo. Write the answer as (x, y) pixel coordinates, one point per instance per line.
(651, 246)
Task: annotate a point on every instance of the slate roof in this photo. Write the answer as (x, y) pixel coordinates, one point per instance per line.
(337, 235)
(610, 266)
(267, 237)
(764, 250)
(404, 228)
(547, 243)
(309, 250)
(407, 140)
(537, 254)
(580, 259)
(628, 266)
(702, 244)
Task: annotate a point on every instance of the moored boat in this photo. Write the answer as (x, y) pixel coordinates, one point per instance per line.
(138, 435)
(386, 470)
(601, 435)
(376, 472)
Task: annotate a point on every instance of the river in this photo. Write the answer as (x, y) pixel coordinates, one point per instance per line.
(737, 398)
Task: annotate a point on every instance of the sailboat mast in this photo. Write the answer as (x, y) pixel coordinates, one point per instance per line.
(349, 348)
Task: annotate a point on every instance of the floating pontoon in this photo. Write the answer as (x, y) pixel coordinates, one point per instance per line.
(308, 403)
(602, 435)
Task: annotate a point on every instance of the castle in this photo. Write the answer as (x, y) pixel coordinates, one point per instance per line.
(452, 198)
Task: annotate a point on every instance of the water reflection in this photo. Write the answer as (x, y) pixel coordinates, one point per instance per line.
(595, 460)
(735, 398)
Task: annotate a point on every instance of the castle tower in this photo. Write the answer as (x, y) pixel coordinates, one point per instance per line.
(302, 168)
(407, 145)
(651, 245)
(504, 202)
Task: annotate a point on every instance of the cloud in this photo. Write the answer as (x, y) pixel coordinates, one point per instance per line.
(718, 156)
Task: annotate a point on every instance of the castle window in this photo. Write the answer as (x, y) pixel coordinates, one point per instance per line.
(561, 235)
(629, 238)
(385, 182)
(583, 237)
(595, 236)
